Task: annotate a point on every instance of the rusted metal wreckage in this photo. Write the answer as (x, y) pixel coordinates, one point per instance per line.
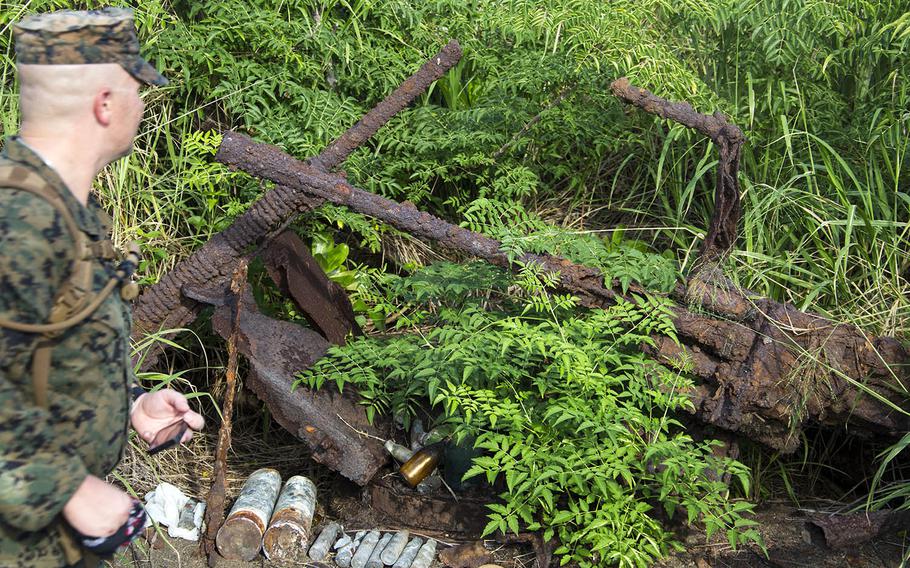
(766, 369)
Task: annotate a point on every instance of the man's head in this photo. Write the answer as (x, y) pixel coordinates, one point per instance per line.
(100, 102)
(82, 71)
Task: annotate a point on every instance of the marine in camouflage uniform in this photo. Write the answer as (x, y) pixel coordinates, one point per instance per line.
(45, 453)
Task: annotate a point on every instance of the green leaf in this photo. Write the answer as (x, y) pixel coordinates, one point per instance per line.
(561, 517)
(491, 526)
(513, 524)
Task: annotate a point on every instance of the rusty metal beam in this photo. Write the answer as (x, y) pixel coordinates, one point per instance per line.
(339, 150)
(164, 306)
(728, 138)
(766, 368)
(270, 162)
(299, 277)
(334, 425)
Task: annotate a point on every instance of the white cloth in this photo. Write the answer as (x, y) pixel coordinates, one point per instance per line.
(164, 505)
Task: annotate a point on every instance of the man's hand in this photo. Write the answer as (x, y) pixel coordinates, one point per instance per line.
(97, 508)
(155, 410)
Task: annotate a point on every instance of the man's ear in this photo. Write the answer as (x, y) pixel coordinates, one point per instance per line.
(103, 106)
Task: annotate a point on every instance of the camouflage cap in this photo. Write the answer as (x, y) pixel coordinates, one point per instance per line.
(67, 37)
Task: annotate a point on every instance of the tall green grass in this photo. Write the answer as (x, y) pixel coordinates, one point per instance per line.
(821, 91)
(819, 87)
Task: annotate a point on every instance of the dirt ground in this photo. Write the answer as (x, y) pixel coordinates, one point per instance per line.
(790, 541)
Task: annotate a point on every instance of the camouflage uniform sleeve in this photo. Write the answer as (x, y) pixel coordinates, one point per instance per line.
(38, 472)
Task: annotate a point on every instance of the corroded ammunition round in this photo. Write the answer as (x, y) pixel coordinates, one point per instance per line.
(421, 464)
(240, 537)
(398, 451)
(409, 553)
(393, 549)
(289, 529)
(346, 552)
(365, 550)
(326, 539)
(375, 560)
(425, 555)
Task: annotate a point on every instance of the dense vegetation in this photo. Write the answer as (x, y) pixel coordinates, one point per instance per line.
(820, 89)
(576, 424)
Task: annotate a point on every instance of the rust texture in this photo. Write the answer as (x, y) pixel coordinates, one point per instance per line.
(214, 509)
(269, 162)
(437, 513)
(240, 537)
(297, 274)
(332, 424)
(843, 532)
(287, 535)
(729, 139)
(468, 555)
(339, 150)
(164, 306)
(766, 369)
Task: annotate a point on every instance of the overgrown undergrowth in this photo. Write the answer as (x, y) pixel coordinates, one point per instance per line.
(523, 141)
(575, 426)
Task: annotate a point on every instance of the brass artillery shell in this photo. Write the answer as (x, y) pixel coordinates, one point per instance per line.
(422, 464)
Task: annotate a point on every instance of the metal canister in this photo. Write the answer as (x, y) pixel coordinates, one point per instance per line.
(422, 463)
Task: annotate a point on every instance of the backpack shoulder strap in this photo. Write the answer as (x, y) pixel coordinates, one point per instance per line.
(74, 292)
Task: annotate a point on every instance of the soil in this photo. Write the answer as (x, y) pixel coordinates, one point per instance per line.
(790, 541)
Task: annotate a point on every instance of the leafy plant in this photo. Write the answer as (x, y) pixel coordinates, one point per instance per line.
(579, 430)
(521, 231)
(331, 258)
(523, 141)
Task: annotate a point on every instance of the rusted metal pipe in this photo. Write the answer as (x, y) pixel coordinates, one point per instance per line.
(164, 306)
(435, 67)
(240, 537)
(728, 138)
(747, 358)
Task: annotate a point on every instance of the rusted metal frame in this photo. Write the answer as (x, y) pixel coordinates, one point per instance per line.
(729, 139)
(164, 306)
(299, 277)
(744, 357)
(339, 150)
(332, 423)
(269, 162)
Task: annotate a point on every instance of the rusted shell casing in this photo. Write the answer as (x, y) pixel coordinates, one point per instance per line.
(346, 553)
(365, 549)
(289, 528)
(375, 560)
(409, 553)
(396, 545)
(324, 543)
(425, 555)
(399, 452)
(240, 537)
(421, 464)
